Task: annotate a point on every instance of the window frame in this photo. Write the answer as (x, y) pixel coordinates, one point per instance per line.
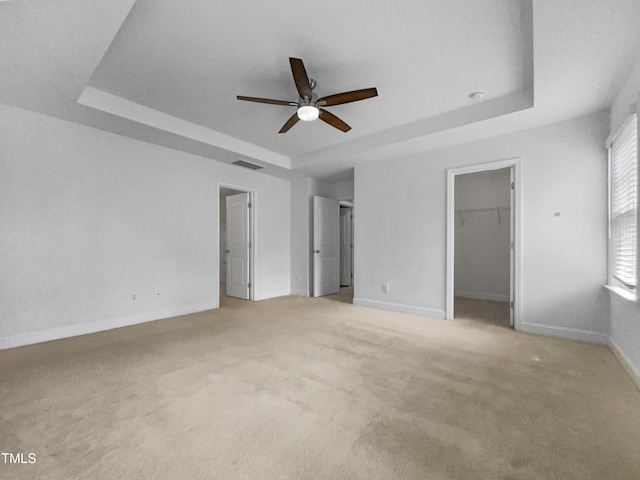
(614, 283)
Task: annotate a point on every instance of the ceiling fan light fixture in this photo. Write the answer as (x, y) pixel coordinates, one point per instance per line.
(308, 104)
(308, 113)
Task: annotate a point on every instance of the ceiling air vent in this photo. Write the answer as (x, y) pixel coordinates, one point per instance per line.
(251, 166)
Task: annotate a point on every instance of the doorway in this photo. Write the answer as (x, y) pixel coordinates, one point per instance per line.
(483, 245)
(332, 250)
(236, 252)
(346, 252)
(326, 246)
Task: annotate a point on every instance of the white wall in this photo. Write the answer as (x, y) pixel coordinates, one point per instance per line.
(299, 236)
(482, 237)
(401, 240)
(90, 218)
(625, 315)
(342, 190)
(626, 101)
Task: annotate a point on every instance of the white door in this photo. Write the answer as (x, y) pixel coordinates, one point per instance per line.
(512, 238)
(326, 246)
(238, 245)
(346, 245)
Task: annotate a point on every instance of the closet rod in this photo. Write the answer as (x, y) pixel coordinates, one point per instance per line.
(490, 209)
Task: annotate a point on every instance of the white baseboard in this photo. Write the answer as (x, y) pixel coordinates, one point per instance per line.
(271, 294)
(401, 308)
(564, 332)
(483, 296)
(633, 372)
(100, 325)
(301, 293)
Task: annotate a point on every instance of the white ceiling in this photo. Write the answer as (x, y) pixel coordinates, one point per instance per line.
(149, 67)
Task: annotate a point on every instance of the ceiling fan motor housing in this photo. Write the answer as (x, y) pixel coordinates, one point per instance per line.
(308, 102)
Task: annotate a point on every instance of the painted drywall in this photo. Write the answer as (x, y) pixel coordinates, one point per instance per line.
(299, 236)
(90, 219)
(626, 101)
(625, 330)
(482, 235)
(342, 190)
(400, 239)
(625, 315)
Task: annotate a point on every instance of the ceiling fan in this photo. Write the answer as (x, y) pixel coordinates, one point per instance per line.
(309, 105)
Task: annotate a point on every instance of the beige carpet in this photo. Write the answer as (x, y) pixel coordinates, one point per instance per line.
(345, 295)
(298, 388)
(485, 311)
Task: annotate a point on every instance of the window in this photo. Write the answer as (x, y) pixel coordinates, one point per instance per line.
(623, 212)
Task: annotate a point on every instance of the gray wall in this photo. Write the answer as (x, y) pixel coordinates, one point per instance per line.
(90, 219)
(400, 240)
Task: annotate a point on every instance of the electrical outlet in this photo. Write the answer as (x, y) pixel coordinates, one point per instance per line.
(385, 288)
(133, 297)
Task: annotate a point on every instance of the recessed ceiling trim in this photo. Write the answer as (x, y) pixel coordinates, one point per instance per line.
(394, 138)
(106, 102)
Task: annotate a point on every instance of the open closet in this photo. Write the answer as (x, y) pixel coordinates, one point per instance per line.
(482, 278)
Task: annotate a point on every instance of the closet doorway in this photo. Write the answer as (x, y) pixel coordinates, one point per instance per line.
(236, 254)
(482, 243)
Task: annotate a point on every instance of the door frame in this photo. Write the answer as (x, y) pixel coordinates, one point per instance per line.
(348, 202)
(516, 165)
(253, 215)
(350, 209)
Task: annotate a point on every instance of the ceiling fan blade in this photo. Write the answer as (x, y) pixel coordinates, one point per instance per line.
(348, 97)
(290, 123)
(300, 77)
(334, 121)
(266, 100)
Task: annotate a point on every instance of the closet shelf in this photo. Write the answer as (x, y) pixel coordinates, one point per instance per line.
(476, 210)
(490, 209)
